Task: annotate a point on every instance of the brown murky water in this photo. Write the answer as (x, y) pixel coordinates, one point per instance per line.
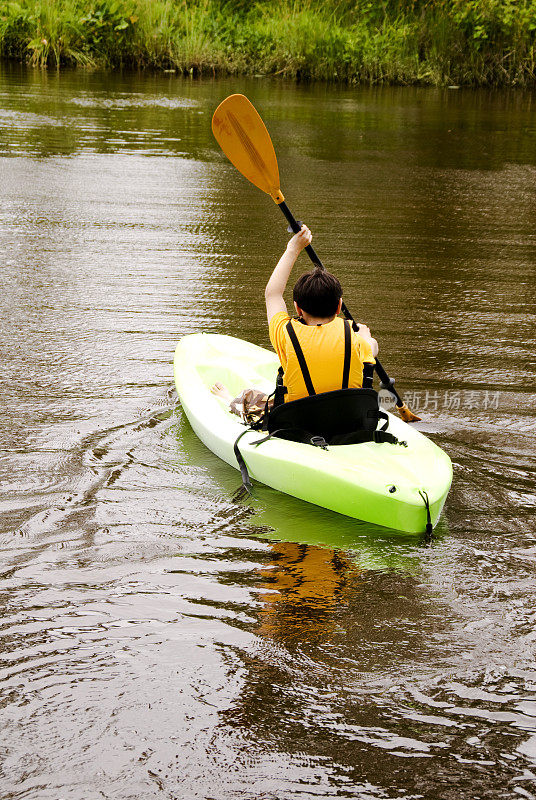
(160, 641)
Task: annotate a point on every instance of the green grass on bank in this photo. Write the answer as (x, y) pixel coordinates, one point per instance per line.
(375, 41)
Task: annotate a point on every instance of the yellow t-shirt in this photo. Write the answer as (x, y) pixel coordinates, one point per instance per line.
(323, 350)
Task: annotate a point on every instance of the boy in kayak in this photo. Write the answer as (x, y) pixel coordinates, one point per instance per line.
(312, 349)
(318, 330)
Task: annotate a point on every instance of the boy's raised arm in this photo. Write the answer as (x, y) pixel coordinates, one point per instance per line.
(278, 280)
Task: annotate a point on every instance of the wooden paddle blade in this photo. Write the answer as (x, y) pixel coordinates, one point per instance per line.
(243, 137)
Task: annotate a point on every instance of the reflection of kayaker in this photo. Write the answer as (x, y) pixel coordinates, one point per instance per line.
(318, 349)
(304, 584)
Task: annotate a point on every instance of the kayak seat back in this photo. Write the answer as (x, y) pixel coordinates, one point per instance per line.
(330, 415)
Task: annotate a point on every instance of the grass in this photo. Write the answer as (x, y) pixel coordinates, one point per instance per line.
(478, 42)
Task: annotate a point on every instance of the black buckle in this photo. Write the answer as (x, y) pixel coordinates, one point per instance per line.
(319, 441)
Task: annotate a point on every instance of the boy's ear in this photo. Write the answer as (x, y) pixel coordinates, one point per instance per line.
(339, 306)
(298, 309)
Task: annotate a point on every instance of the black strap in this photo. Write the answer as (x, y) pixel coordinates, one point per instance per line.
(354, 437)
(301, 359)
(347, 354)
(295, 435)
(303, 364)
(382, 415)
(280, 389)
(429, 526)
(246, 483)
(359, 437)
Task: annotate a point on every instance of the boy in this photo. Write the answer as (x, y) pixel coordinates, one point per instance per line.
(316, 338)
(317, 299)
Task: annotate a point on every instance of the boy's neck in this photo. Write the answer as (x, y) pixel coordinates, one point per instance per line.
(309, 320)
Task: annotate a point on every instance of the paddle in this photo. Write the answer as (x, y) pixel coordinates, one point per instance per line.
(243, 137)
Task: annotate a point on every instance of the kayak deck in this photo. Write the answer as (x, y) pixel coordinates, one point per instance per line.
(379, 483)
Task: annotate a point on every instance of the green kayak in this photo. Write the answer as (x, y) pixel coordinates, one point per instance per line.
(379, 483)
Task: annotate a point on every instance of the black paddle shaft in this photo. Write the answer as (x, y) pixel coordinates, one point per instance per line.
(386, 381)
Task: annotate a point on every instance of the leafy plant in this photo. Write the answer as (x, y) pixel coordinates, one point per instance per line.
(401, 41)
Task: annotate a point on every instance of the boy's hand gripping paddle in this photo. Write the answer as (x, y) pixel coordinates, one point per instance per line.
(242, 135)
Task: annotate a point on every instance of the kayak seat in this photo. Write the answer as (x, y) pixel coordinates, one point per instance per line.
(343, 416)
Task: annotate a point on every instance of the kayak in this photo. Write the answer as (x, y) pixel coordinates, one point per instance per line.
(381, 483)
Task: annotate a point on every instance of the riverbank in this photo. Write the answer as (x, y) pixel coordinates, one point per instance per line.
(463, 42)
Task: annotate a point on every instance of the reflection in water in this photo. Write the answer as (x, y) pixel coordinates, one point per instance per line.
(159, 640)
(306, 585)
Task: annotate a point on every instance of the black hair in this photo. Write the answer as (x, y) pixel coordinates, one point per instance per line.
(318, 293)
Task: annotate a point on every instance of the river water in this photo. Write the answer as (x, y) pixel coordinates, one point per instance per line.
(159, 640)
